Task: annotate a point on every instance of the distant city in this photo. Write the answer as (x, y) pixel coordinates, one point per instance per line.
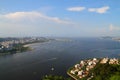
(10, 44)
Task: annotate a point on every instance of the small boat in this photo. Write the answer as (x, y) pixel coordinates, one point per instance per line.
(52, 69)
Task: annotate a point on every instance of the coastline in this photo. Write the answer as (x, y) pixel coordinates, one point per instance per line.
(26, 47)
(71, 76)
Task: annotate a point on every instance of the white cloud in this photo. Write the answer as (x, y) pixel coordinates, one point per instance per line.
(113, 28)
(76, 9)
(33, 16)
(99, 10)
(20, 15)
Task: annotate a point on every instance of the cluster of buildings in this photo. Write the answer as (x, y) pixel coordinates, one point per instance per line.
(110, 61)
(104, 60)
(8, 43)
(82, 69)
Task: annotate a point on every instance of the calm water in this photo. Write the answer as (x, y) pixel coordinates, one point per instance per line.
(59, 55)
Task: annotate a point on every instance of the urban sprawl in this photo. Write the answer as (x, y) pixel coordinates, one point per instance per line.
(9, 43)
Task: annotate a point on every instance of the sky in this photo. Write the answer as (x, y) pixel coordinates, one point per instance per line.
(59, 18)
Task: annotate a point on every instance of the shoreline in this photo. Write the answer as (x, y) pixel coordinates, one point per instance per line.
(71, 76)
(26, 46)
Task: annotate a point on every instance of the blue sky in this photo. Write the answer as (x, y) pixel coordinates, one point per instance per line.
(62, 18)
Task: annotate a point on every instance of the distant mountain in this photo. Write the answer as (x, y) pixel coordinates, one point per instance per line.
(107, 37)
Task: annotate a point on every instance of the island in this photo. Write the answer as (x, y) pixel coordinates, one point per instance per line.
(96, 69)
(112, 38)
(16, 45)
(117, 39)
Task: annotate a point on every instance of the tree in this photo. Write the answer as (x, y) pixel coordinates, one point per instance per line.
(52, 77)
(115, 77)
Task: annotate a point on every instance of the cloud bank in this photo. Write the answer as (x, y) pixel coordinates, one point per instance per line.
(33, 16)
(32, 23)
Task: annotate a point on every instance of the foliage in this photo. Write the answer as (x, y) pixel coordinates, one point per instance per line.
(115, 77)
(53, 77)
(106, 72)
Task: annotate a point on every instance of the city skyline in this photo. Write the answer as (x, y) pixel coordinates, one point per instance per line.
(65, 18)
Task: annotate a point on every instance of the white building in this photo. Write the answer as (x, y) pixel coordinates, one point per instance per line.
(104, 60)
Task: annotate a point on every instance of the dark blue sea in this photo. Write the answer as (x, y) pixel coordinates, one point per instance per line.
(59, 54)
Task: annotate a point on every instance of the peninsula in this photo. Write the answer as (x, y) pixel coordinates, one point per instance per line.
(96, 69)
